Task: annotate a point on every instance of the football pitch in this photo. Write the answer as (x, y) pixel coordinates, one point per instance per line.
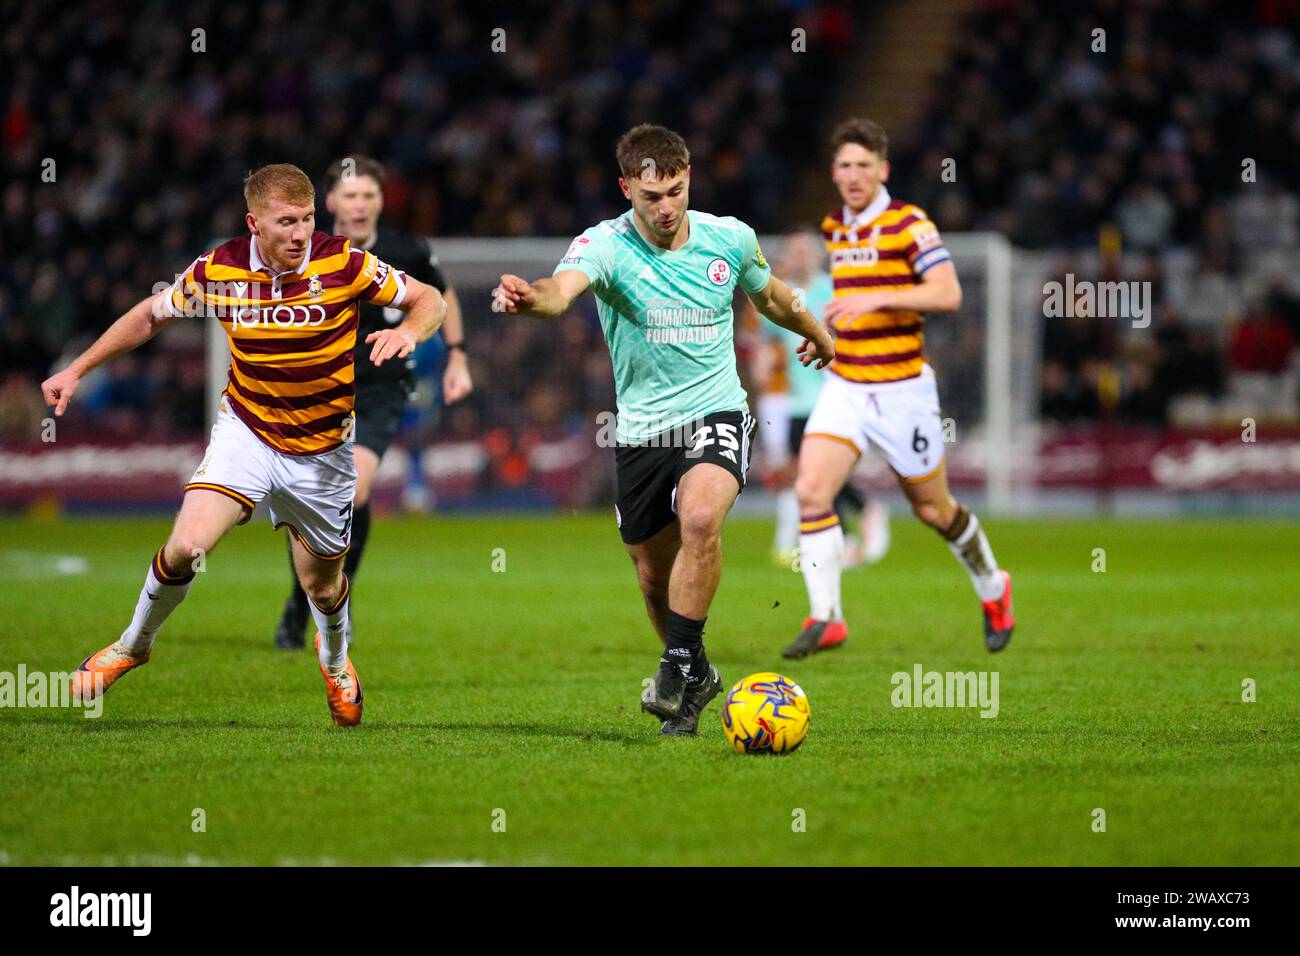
(502, 722)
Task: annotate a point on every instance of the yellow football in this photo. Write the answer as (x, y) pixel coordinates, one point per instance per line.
(766, 713)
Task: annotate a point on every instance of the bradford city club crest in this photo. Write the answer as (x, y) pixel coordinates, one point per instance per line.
(314, 287)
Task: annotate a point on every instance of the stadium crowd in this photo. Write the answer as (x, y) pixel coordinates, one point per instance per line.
(506, 131)
(125, 127)
(1163, 133)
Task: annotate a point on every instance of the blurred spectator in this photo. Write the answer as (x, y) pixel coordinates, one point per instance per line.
(1188, 362)
(1064, 396)
(1142, 401)
(21, 410)
(1145, 217)
(1280, 302)
(1262, 343)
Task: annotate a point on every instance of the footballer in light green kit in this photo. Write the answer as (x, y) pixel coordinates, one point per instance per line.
(664, 278)
(667, 317)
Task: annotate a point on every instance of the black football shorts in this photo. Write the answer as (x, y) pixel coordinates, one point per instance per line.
(648, 473)
(379, 413)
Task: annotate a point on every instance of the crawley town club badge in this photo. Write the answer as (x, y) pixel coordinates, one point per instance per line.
(718, 272)
(314, 287)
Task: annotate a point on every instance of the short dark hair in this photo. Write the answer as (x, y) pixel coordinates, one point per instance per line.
(864, 132)
(353, 166)
(651, 149)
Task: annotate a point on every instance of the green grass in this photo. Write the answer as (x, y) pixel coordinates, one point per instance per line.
(518, 690)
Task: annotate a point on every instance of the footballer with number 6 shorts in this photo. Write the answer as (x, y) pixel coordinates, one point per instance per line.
(664, 279)
(288, 297)
(889, 267)
(354, 196)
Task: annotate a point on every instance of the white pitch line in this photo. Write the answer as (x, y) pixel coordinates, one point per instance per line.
(33, 565)
(194, 859)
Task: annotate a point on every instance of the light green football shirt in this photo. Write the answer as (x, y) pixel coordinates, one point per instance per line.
(805, 380)
(667, 317)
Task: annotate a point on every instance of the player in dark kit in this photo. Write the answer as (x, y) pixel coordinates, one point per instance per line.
(354, 196)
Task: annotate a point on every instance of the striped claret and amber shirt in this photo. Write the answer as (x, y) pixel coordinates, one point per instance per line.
(291, 377)
(889, 245)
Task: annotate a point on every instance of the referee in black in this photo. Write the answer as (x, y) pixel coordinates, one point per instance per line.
(354, 196)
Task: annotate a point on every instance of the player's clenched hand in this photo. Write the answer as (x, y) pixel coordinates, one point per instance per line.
(390, 343)
(820, 350)
(513, 295)
(456, 381)
(58, 389)
(859, 303)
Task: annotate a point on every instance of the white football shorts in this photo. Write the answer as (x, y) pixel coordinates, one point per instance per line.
(774, 428)
(310, 494)
(899, 419)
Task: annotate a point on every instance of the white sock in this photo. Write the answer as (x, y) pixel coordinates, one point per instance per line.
(161, 593)
(821, 555)
(787, 521)
(335, 628)
(971, 548)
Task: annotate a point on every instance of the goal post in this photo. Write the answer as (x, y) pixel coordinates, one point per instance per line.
(998, 382)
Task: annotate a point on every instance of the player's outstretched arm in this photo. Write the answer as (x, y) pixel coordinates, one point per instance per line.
(141, 322)
(542, 298)
(777, 301)
(425, 309)
(938, 291)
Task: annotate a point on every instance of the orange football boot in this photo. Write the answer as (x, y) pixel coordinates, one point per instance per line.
(999, 618)
(836, 633)
(343, 691)
(816, 636)
(110, 663)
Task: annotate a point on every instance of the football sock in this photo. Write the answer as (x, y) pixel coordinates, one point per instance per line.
(821, 555)
(685, 646)
(334, 626)
(163, 590)
(787, 521)
(357, 541)
(970, 546)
